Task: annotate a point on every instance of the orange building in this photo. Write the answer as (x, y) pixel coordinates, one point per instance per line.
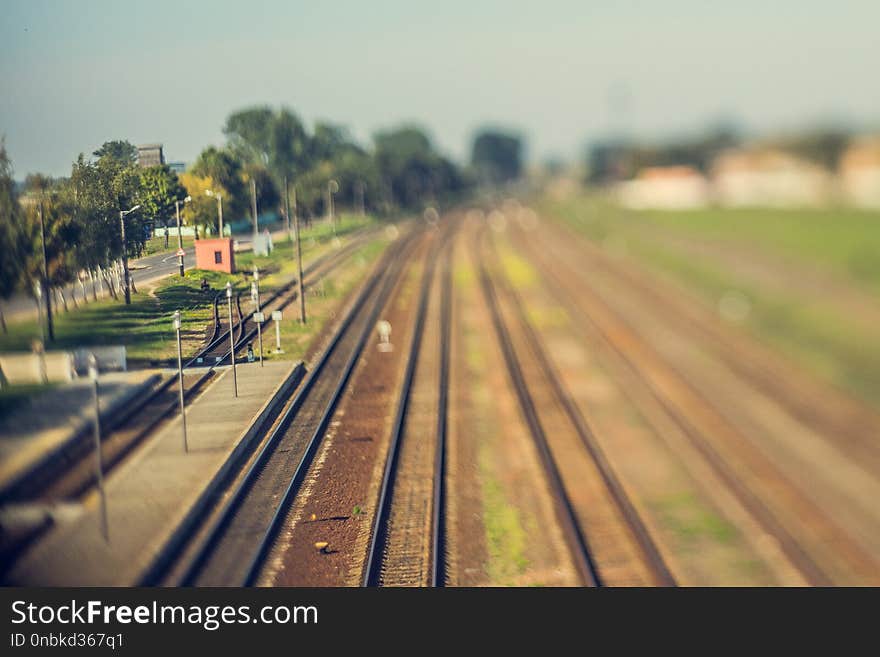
(215, 255)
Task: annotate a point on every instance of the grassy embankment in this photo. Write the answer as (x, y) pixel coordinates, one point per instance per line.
(810, 278)
(145, 327)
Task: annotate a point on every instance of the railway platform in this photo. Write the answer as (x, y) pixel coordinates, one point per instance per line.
(159, 488)
(50, 421)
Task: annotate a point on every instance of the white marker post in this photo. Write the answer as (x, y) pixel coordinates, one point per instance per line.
(258, 315)
(99, 465)
(276, 317)
(180, 378)
(383, 328)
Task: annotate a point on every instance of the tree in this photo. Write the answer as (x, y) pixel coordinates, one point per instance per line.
(122, 152)
(410, 169)
(159, 189)
(225, 169)
(11, 243)
(497, 156)
(50, 233)
(201, 211)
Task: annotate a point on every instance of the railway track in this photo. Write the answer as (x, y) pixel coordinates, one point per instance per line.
(232, 547)
(841, 422)
(546, 370)
(406, 546)
(709, 433)
(72, 475)
(580, 549)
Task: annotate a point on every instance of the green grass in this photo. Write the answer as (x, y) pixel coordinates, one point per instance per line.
(691, 522)
(322, 303)
(157, 244)
(810, 330)
(145, 327)
(844, 242)
(12, 396)
(506, 538)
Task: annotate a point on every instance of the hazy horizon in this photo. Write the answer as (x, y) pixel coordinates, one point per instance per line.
(561, 74)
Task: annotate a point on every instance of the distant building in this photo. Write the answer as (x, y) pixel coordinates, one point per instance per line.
(674, 187)
(177, 167)
(768, 177)
(150, 155)
(859, 172)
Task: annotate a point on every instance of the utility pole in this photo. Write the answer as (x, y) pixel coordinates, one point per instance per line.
(232, 338)
(254, 208)
(99, 465)
(177, 324)
(125, 286)
(299, 258)
(179, 233)
(287, 208)
(50, 325)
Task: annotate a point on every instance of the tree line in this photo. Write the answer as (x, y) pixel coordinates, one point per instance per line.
(54, 232)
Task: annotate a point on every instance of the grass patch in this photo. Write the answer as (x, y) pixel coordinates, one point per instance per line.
(506, 538)
(145, 326)
(322, 305)
(845, 243)
(13, 396)
(520, 272)
(691, 522)
(822, 341)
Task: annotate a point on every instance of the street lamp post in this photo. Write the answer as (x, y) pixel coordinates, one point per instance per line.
(231, 338)
(179, 232)
(211, 192)
(180, 377)
(299, 259)
(38, 293)
(45, 276)
(254, 209)
(126, 286)
(99, 464)
(332, 188)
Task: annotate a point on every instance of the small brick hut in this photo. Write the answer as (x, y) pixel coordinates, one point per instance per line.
(215, 255)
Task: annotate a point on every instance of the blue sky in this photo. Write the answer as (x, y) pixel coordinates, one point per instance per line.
(74, 74)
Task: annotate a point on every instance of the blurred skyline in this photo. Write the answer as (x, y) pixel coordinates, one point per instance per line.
(562, 73)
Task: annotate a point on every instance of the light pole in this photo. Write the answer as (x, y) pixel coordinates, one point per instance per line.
(332, 188)
(126, 287)
(211, 192)
(299, 258)
(45, 277)
(38, 293)
(258, 315)
(179, 233)
(254, 209)
(99, 465)
(180, 377)
(231, 338)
